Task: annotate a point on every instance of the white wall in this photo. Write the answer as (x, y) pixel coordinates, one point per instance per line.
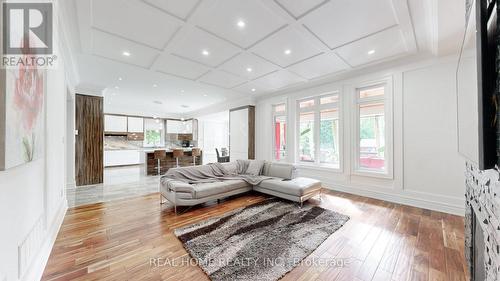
(33, 199)
(428, 171)
(213, 132)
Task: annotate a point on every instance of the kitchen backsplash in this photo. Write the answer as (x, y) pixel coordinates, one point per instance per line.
(121, 143)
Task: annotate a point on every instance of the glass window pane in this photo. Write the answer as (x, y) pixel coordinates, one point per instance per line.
(306, 135)
(329, 137)
(280, 108)
(306, 103)
(372, 136)
(279, 137)
(153, 133)
(329, 99)
(372, 92)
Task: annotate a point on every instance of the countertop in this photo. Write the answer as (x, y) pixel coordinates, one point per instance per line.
(147, 149)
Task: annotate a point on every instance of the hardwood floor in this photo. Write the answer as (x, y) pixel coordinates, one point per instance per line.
(382, 241)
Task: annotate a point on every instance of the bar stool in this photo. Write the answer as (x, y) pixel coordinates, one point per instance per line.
(178, 153)
(195, 152)
(160, 155)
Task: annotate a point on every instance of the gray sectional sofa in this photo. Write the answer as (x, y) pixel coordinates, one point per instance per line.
(280, 182)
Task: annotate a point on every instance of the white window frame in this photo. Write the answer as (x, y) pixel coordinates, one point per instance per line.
(316, 109)
(389, 124)
(274, 115)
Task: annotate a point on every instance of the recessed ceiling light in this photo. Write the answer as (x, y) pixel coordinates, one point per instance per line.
(126, 53)
(287, 51)
(253, 90)
(371, 52)
(154, 85)
(120, 79)
(116, 87)
(205, 95)
(205, 52)
(241, 24)
(249, 69)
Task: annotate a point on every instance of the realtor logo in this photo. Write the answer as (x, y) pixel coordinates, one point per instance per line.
(27, 29)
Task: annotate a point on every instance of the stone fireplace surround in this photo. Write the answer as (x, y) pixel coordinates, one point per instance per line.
(483, 200)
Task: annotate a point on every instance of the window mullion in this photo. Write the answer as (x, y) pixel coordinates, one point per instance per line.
(317, 128)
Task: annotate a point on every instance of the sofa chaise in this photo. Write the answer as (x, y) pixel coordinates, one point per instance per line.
(280, 182)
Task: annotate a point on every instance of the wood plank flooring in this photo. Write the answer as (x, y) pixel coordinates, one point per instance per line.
(382, 241)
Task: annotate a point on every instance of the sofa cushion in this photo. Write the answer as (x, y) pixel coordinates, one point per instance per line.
(212, 188)
(176, 185)
(297, 186)
(231, 167)
(279, 170)
(254, 167)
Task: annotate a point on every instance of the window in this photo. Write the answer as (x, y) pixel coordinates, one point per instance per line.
(318, 137)
(306, 137)
(372, 135)
(279, 132)
(154, 133)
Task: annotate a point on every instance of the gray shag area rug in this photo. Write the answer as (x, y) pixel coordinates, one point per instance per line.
(263, 241)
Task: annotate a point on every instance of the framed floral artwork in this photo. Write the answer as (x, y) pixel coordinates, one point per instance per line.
(22, 118)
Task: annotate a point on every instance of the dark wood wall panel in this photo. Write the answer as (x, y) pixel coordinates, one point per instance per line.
(89, 143)
(251, 132)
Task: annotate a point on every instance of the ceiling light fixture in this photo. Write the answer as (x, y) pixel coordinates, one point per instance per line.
(116, 87)
(241, 24)
(249, 69)
(154, 85)
(287, 51)
(120, 79)
(371, 52)
(205, 95)
(253, 90)
(205, 52)
(126, 53)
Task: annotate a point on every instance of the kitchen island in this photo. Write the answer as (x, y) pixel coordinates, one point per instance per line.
(151, 164)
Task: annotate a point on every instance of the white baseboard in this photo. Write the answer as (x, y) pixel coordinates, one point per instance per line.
(426, 201)
(39, 263)
(70, 185)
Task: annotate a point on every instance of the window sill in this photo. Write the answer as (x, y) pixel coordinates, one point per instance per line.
(326, 168)
(373, 174)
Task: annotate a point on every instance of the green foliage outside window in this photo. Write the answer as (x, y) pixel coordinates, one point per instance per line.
(153, 137)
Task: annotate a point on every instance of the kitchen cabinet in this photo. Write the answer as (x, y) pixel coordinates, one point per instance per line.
(122, 157)
(179, 127)
(115, 123)
(135, 125)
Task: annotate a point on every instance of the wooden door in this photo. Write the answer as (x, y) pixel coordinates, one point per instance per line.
(89, 142)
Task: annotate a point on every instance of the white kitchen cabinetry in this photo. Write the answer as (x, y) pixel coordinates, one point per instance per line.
(115, 123)
(179, 127)
(135, 125)
(122, 157)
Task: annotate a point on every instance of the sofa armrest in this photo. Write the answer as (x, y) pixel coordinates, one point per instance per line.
(279, 170)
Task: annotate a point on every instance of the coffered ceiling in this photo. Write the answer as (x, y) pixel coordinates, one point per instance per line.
(215, 50)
